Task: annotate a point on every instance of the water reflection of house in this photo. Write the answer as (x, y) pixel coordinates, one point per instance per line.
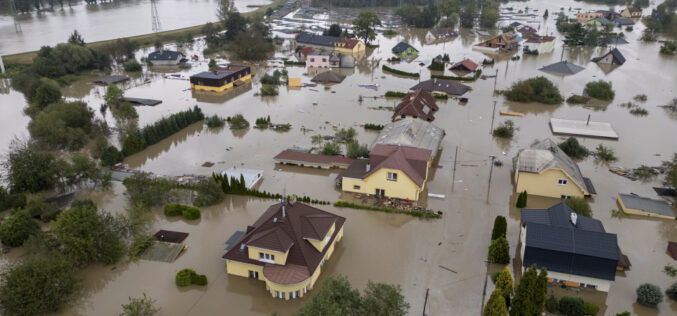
(440, 34)
(545, 170)
(286, 248)
(399, 161)
(575, 249)
(221, 78)
(418, 104)
(500, 43)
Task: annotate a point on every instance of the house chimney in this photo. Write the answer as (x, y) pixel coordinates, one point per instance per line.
(274, 219)
(368, 167)
(241, 247)
(574, 217)
(283, 211)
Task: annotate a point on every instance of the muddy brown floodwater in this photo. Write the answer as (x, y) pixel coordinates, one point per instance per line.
(446, 256)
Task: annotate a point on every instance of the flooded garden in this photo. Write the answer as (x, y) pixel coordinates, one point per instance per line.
(445, 257)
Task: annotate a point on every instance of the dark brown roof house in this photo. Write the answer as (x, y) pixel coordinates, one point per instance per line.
(418, 104)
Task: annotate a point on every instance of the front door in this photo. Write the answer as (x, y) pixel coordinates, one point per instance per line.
(380, 192)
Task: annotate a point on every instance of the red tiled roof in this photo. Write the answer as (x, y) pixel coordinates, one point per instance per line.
(466, 63)
(300, 222)
(634, 10)
(419, 103)
(306, 50)
(412, 161)
(526, 29)
(304, 157)
(346, 43)
(540, 39)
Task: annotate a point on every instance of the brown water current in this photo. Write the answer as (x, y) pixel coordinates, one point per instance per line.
(385, 247)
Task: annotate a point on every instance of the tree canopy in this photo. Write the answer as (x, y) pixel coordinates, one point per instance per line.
(530, 294)
(538, 89)
(17, 227)
(364, 26)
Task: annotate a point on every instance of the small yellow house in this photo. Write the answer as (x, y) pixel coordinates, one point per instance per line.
(221, 79)
(349, 46)
(286, 248)
(545, 170)
(391, 171)
(639, 205)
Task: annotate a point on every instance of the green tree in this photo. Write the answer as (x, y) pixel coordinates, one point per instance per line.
(140, 306)
(132, 144)
(36, 287)
(16, 227)
(499, 251)
(383, 300)
(522, 200)
(336, 297)
(76, 39)
(579, 205)
(538, 89)
(334, 30)
(113, 95)
(62, 125)
(364, 26)
(671, 292)
(212, 64)
(649, 295)
(496, 305)
(127, 112)
(600, 89)
(29, 171)
(530, 294)
(571, 306)
(573, 148)
(467, 15)
(355, 150)
(489, 14)
(252, 45)
(87, 235)
(504, 284)
(111, 156)
(46, 93)
(500, 227)
(331, 148)
(552, 304)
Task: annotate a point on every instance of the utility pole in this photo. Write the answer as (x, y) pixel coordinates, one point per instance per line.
(495, 80)
(2, 66)
(155, 17)
(491, 171)
(453, 176)
(425, 303)
(493, 114)
(12, 10)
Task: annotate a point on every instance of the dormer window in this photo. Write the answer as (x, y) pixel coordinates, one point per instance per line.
(266, 257)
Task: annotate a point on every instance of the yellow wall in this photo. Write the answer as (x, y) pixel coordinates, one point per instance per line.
(359, 47)
(403, 188)
(221, 88)
(545, 184)
(320, 244)
(242, 269)
(280, 257)
(634, 211)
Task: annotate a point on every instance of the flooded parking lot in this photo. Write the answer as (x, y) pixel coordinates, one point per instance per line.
(446, 255)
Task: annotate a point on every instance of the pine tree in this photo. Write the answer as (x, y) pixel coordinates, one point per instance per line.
(499, 251)
(505, 284)
(496, 305)
(500, 227)
(531, 293)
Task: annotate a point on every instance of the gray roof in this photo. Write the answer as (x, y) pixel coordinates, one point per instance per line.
(328, 77)
(618, 40)
(164, 55)
(618, 57)
(411, 132)
(560, 215)
(646, 204)
(401, 47)
(545, 154)
(603, 21)
(318, 40)
(563, 67)
(442, 85)
(623, 21)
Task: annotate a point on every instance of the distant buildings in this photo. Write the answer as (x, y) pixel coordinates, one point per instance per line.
(286, 248)
(584, 17)
(340, 45)
(633, 13)
(500, 43)
(220, 79)
(440, 34)
(164, 57)
(575, 249)
(404, 50)
(441, 87)
(545, 170)
(418, 104)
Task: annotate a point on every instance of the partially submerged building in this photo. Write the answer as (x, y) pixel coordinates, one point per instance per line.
(440, 34)
(318, 59)
(441, 87)
(306, 159)
(286, 248)
(404, 50)
(584, 17)
(613, 57)
(221, 78)
(544, 169)
(164, 57)
(540, 44)
(315, 41)
(328, 77)
(464, 65)
(575, 249)
(634, 13)
(504, 42)
(411, 132)
(349, 46)
(644, 206)
(418, 104)
(563, 68)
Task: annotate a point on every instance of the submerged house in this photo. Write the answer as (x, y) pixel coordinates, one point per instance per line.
(634, 13)
(501, 43)
(623, 21)
(440, 34)
(315, 41)
(349, 46)
(319, 59)
(464, 65)
(418, 104)
(599, 22)
(575, 249)
(613, 57)
(164, 57)
(286, 248)
(441, 87)
(404, 50)
(545, 170)
(221, 78)
(584, 17)
(644, 206)
(540, 44)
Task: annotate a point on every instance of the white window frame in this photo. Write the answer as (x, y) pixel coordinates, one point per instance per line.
(392, 176)
(266, 257)
(562, 181)
(356, 187)
(565, 196)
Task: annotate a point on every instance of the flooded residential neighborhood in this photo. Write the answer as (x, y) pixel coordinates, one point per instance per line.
(419, 205)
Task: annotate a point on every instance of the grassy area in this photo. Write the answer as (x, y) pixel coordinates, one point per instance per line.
(145, 40)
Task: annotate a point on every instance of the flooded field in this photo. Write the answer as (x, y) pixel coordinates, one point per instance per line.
(446, 256)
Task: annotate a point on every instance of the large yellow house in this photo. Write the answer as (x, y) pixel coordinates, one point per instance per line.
(349, 46)
(221, 79)
(545, 170)
(286, 248)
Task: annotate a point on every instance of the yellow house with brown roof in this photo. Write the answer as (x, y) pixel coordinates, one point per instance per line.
(286, 248)
(349, 46)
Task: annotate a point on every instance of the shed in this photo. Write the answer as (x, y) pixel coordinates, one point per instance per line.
(111, 79)
(329, 77)
(170, 236)
(164, 57)
(404, 48)
(464, 65)
(294, 82)
(639, 205)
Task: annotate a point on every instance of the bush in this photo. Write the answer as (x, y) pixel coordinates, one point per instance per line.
(237, 122)
(191, 213)
(638, 111)
(400, 72)
(552, 304)
(386, 209)
(173, 209)
(573, 149)
(215, 121)
(271, 79)
(199, 279)
(669, 48)
(111, 156)
(185, 277)
(374, 127)
(499, 251)
(17, 227)
(262, 122)
(505, 130)
(268, 90)
(132, 66)
(161, 129)
(126, 111)
(394, 94)
(580, 206)
(474, 77)
(522, 200)
(590, 309)
(331, 148)
(63, 125)
(571, 306)
(600, 89)
(46, 211)
(604, 153)
(500, 227)
(143, 306)
(11, 201)
(649, 295)
(436, 66)
(209, 192)
(46, 93)
(671, 292)
(355, 150)
(538, 89)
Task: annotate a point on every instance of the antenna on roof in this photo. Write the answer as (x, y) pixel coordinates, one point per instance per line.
(574, 217)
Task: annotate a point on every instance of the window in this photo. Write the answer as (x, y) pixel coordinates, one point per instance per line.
(565, 196)
(380, 192)
(312, 60)
(305, 290)
(266, 257)
(392, 176)
(253, 274)
(324, 60)
(279, 294)
(562, 181)
(356, 187)
(292, 295)
(297, 293)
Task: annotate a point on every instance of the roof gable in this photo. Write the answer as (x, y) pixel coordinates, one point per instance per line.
(412, 161)
(419, 103)
(545, 154)
(560, 215)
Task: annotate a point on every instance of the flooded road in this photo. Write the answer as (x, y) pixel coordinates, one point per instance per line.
(104, 21)
(384, 247)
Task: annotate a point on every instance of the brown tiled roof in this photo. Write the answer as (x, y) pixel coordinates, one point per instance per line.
(306, 50)
(634, 10)
(301, 221)
(410, 160)
(347, 43)
(356, 170)
(272, 239)
(465, 64)
(419, 103)
(443, 32)
(540, 39)
(526, 29)
(672, 249)
(304, 157)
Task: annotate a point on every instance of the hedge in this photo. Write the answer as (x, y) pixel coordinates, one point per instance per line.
(375, 127)
(420, 214)
(395, 94)
(188, 212)
(400, 72)
(294, 63)
(477, 75)
(187, 277)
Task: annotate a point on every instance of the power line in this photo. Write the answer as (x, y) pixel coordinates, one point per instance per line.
(155, 17)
